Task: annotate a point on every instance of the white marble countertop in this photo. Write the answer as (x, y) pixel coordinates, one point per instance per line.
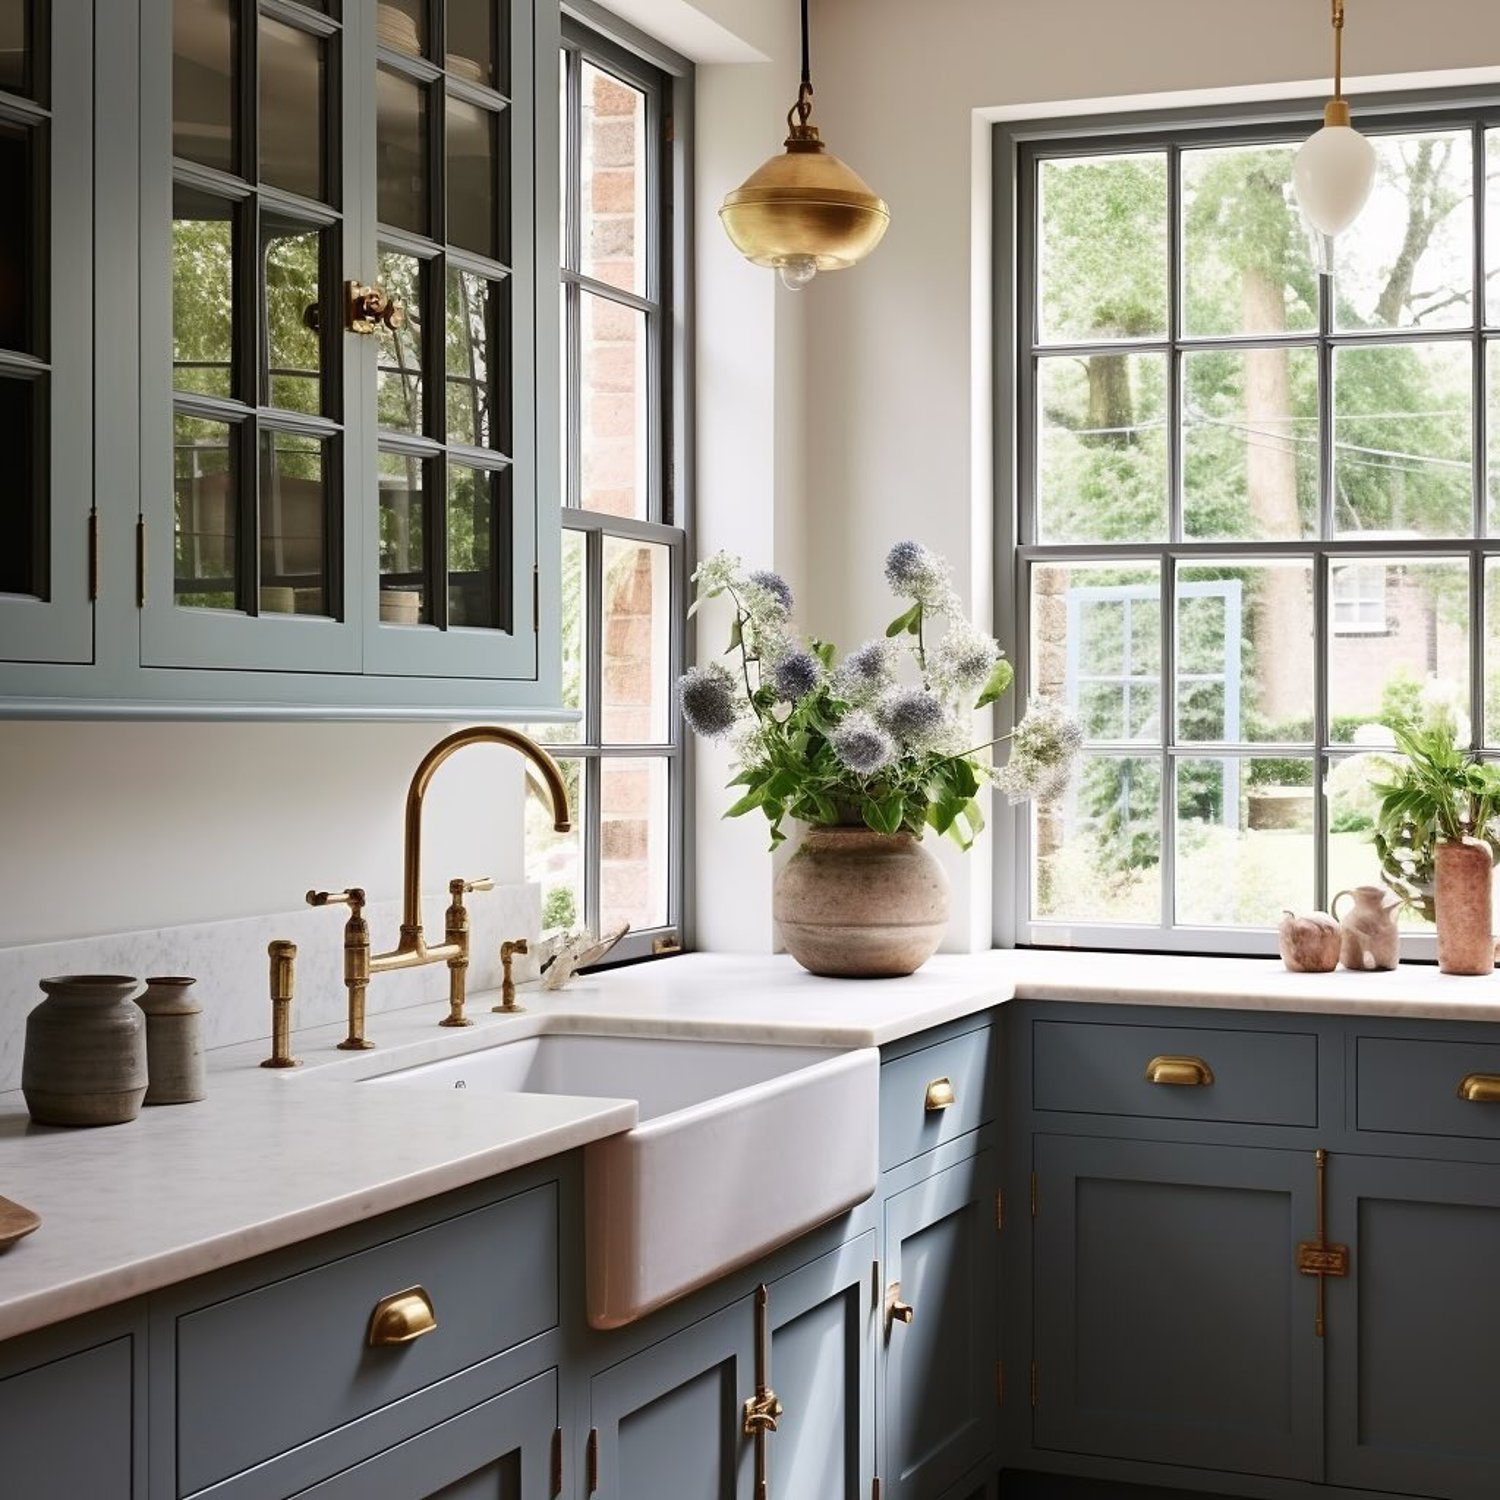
(271, 1158)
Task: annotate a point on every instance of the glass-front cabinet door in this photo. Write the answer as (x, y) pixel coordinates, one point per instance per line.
(48, 535)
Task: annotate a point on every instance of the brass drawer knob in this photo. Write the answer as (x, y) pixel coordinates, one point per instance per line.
(897, 1311)
(940, 1095)
(401, 1318)
(1481, 1088)
(1180, 1072)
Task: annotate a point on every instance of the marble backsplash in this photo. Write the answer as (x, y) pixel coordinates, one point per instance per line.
(229, 961)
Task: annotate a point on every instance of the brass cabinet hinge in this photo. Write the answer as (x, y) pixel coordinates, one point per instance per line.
(93, 555)
(999, 1382)
(591, 1461)
(140, 562)
(1033, 1195)
(557, 1460)
(1035, 1383)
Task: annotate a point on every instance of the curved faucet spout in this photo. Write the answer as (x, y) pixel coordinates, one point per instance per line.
(478, 734)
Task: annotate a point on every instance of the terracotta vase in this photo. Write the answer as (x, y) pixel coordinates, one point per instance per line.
(85, 1058)
(1465, 916)
(1371, 939)
(860, 904)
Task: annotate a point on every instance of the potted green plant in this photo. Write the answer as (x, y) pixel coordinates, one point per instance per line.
(869, 751)
(1436, 813)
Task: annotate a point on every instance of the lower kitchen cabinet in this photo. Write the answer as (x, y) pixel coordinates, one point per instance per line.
(941, 1376)
(1171, 1322)
(1414, 1381)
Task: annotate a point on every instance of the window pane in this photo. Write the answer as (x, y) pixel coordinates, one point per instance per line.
(1096, 645)
(473, 178)
(1244, 673)
(637, 641)
(400, 153)
(1492, 651)
(1102, 448)
(1492, 458)
(1103, 254)
(404, 483)
(398, 389)
(1247, 262)
(1244, 843)
(1403, 429)
(207, 520)
(473, 592)
(1410, 261)
(471, 40)
(203, 113)
(477, 341)
(202, 293)
(293, 524)
(612, 436)
(22, 496)
(402, 26)
(1353, 805)
(292, 103)
(1492, 225)
(634, 831)
(554, 860)
(1398, 628)
(1097, 848)
(20, 310)
(15, 46)
(1250, 444)
(291, 255)
(614, 181)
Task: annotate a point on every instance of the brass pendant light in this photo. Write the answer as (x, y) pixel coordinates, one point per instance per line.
(804, 211)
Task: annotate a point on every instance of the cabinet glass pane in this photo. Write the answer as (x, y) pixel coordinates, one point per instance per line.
(476, 336)
(402, 26)
(20, 313)
(292, 105)
(207, 520)
(613, 196)
(613, 447)
(473, 178)
(203, 113)
(637, 641)
(291, 255)
(202, 293)
(22, 507)
(398, 391)
(471, 40)
(474, 514)
(634, 831)
(404, 598)
(15, 46)
(1244, 840)
(293, 524)
(401, 153)
(555, 860)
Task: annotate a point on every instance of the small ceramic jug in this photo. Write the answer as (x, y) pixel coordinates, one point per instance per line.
(1371, 939)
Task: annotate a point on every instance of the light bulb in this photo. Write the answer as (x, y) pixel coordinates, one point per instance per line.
(1333, 175)
(797, 270)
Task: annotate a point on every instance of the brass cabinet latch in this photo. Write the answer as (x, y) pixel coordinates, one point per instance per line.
(1321, 1257)
(367, 306)
(763, 1411)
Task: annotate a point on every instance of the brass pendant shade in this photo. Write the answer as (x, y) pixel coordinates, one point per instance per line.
(804, 211)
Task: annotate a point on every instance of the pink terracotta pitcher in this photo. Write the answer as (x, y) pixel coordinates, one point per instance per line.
(1370, 939)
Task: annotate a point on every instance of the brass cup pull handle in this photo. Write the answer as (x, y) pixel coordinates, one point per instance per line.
(940, 1095)
(1481, 1088)
(401, 1318)
(1180, 1072)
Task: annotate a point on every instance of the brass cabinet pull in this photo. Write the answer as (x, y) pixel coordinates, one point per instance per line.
(365, 307)
(1481, 1088)
(897, 1311)
(401, 1318)
(1180, 1072)
(940, 1095)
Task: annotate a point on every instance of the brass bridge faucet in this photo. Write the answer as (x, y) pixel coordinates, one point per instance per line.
(411, 950)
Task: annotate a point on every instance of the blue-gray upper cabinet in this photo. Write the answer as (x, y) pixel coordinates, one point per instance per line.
(47, 271)
(1171, 1323)
(940, 1381)
(1413, 1382)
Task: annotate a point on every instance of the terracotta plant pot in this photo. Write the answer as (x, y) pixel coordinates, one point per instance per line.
(1465, 915)
(85, 1059)
(861, 905)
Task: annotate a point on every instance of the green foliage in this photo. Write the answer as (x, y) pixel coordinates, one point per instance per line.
(560, 908)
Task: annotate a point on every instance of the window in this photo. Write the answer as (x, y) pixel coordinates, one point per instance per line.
(1256, 521)
(624, 542)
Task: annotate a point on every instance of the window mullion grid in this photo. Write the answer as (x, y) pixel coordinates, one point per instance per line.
(1167, 693)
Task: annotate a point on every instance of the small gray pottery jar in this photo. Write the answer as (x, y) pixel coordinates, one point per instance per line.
(174, 1041)
(85, 1059)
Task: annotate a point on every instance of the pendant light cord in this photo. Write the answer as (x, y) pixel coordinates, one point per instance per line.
(806, 53)
(1338, 45)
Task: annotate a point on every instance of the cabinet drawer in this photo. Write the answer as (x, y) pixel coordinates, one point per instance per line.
(301, 1344)
(935, 1095)
(1245, 1077)
(1418, 1087)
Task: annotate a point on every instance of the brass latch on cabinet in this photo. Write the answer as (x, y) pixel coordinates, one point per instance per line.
(763, 1410)
(1319, 1257)
(367, 306)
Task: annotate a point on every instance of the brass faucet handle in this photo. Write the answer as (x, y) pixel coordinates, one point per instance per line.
(484, 883)
(354, 897)
(511, 946)
(508, 950)
(283, 956)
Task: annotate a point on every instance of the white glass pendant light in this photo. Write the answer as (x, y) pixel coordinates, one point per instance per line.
(1335, 169)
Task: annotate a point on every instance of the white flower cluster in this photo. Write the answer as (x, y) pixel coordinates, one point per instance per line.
(1042, 751)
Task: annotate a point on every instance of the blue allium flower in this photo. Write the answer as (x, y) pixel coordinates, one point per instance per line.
(915, 573)
(913, 715)
(862, 745)
(776, 586)
(867, 672)
(796, 674)
(707, 697)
